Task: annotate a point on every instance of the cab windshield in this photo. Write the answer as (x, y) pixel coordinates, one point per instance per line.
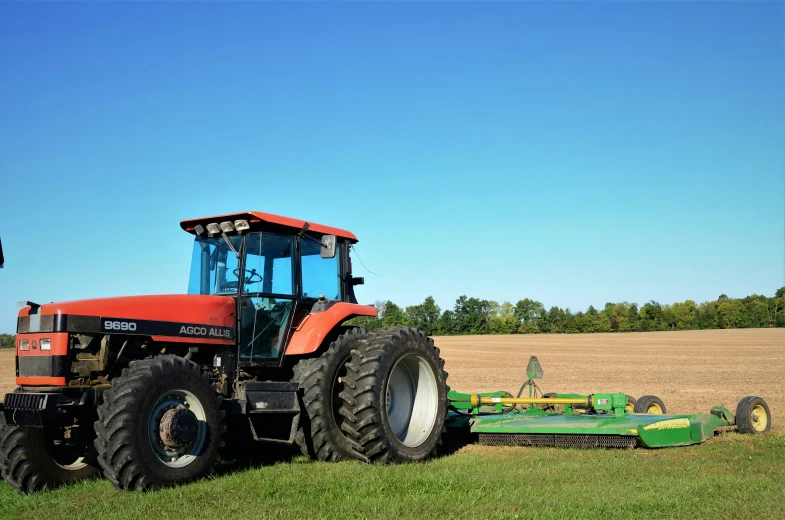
(214, 267)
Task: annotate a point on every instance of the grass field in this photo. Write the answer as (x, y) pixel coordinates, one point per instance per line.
(732, 476)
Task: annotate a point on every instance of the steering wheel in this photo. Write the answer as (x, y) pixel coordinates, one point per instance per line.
(250, 277)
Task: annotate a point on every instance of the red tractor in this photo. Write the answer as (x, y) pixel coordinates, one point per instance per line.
(149, 390)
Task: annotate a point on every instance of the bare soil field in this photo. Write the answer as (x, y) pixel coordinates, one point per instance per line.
(690, 371)
(7, 372)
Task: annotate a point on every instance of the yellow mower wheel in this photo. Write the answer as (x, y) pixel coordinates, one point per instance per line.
(630, 404)
(649, 404)
(753, 416)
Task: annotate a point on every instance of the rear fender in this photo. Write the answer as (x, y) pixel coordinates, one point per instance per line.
(316, 326)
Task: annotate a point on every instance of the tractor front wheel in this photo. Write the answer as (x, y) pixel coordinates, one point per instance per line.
(30, 461)
(395, 396)
(160, 424)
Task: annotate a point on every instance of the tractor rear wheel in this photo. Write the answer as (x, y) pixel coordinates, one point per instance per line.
(395, 396)
(322, 381)
(753, 416)
(160, 424)
(650, 404)
(30, 461)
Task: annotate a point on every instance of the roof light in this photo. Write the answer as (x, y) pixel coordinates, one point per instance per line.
(212, 229)
(227, 227)
(241, 225)
(199, 229)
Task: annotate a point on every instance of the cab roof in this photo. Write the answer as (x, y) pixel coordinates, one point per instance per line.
(266, 221)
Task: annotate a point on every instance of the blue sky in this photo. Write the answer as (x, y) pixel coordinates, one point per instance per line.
(575, 153)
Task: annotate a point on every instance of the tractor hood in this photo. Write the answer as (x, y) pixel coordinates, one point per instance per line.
(164, 317)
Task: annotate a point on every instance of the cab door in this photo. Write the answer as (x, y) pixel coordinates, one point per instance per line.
(268, 298)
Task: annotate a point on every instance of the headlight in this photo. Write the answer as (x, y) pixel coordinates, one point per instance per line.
(24, 344)
(46, 344)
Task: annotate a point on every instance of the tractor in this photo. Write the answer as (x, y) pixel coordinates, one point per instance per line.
(150, 391)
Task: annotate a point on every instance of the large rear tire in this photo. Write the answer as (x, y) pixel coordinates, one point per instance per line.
(160, 424)
(395, 397)
(321, 381)
(30, 462)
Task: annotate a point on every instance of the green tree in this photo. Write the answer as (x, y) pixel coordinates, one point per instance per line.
(730, 314)
(472, 315)
(707, 315)
(7, 341)
(651, 316)
(528, 312)
(505, 321)
(685, 315)
(447, 324)
(424, 316)
(391, 314)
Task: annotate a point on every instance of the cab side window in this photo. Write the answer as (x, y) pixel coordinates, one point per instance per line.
(320, 275)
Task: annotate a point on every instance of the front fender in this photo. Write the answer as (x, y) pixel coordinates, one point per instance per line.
(317, 325)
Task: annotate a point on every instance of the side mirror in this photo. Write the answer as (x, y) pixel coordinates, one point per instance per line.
(1, 255)
(328, 246)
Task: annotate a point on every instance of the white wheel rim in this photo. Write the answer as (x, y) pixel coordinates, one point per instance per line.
(412, 400)
(177, 458)
(61, 458)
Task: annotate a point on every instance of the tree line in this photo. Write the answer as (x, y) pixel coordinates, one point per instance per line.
(527, 316)
(7, 340)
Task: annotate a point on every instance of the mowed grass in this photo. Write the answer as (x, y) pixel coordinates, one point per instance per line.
(733, 476)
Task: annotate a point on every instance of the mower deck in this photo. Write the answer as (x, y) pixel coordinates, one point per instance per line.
(595, 429)
(592, 421)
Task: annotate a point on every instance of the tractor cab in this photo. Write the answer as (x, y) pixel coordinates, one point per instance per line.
(277, 269)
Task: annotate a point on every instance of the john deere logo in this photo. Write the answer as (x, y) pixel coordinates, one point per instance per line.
(670, 424)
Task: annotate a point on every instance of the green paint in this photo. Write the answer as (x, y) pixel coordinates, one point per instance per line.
(609, 417)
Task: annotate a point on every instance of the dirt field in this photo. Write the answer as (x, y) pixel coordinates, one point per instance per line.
(690, 371)
(7, 371)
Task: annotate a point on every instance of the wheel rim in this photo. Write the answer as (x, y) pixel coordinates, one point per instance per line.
(412, 400)
(630, 406)
(654, 408)
(65, 458)
(186, 454)
(759, 418)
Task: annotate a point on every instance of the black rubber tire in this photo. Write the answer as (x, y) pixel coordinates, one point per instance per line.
(365, 395)
(124, 450)
(643, 404)
(302, 439)
(320, 435)
(27, 464)
(631, 401)
(745, 415)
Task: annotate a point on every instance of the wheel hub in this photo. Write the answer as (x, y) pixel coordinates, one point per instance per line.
(178, 427)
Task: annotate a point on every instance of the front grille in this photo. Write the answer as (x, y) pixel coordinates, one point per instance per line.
(24, 401)
(562, 441)
(46, 366)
